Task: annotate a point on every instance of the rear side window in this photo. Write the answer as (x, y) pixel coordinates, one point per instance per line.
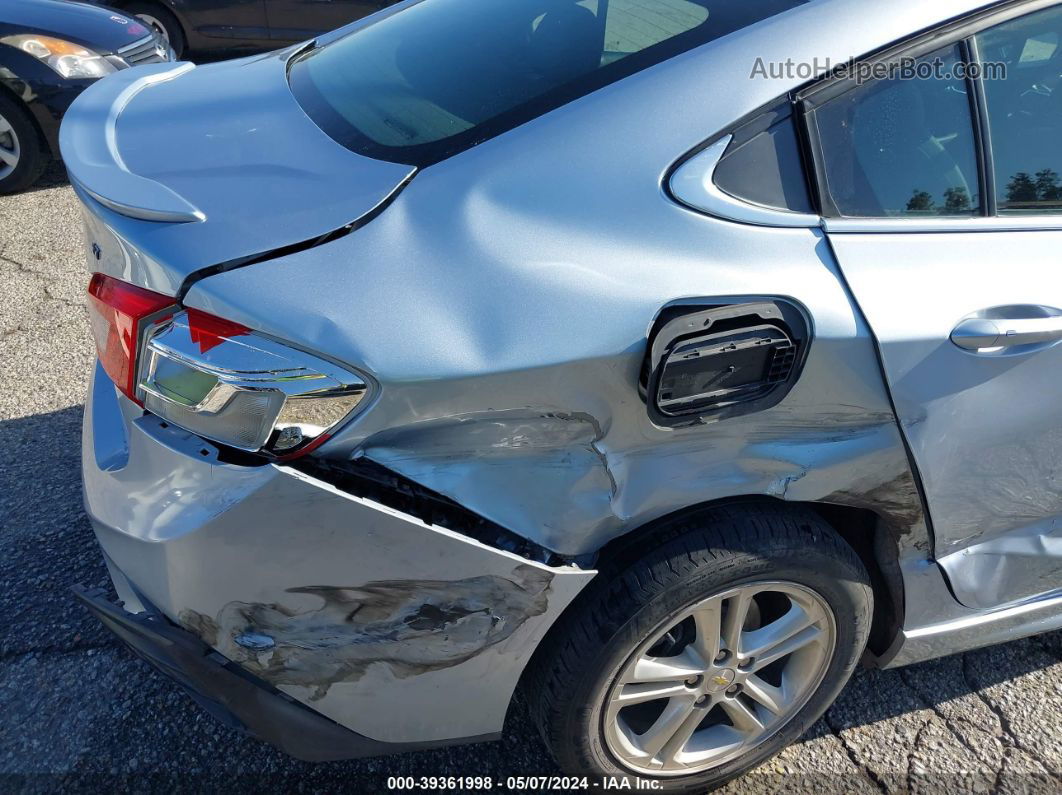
(901, 147)
(763, 165)
(1025, 112)
(441, 75)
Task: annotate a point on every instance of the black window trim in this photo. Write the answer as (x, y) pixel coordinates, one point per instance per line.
(982, 132)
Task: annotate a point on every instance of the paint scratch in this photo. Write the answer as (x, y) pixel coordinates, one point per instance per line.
(410, 626)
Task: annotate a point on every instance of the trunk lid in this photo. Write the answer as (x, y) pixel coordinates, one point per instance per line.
(182, 168)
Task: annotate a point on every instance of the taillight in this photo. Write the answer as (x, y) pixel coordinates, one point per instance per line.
(215, 378)
(224, 382)
(119, 314)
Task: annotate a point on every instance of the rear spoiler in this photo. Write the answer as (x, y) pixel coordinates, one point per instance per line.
(88, 142)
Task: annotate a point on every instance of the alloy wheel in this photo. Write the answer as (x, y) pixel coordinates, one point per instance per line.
(719, 678)
(10, 151)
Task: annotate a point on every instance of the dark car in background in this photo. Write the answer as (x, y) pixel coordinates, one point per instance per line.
(250, 24)
(50, 51)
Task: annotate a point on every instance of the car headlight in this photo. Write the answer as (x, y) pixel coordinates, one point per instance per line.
(64, 57)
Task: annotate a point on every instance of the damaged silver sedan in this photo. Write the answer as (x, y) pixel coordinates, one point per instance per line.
(654, 359)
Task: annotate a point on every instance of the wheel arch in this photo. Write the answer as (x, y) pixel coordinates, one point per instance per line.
(32, 112)
(867, 532)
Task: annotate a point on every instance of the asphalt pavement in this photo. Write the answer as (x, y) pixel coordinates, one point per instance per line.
(77, 711)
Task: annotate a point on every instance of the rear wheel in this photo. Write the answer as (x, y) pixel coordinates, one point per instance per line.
(22, 156)
(162, 22)
(711, 653)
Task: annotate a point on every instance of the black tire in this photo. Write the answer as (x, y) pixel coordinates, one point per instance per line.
(164, 19)
(701, 555)
(32, 155)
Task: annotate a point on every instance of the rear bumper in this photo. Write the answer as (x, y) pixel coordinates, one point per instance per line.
(233, 696)
(381, 623)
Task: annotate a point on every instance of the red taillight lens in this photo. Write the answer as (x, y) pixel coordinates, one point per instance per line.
(208, 331)
(117, 312)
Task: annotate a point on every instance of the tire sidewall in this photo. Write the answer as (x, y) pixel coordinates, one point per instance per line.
(31, 156)
(847, 594)
(174, 31)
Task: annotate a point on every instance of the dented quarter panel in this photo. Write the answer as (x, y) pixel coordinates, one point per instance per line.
(508, 356)
(565, 454)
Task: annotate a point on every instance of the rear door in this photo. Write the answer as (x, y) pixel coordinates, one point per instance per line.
(295, 20)
(943, 198)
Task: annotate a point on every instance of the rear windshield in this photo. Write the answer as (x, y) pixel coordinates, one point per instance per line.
(439, 76)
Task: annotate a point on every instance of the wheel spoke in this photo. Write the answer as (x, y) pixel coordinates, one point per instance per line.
(708, 621)
(674, 727)
(682, 736)
(8, 157)
(5, 125)
(639, 693)
(737, 611)
(784, 636)
(800, 640)
(743, 718)
(665, 669)
(771, 697)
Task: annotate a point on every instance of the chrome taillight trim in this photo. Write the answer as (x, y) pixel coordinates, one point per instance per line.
(313, 396)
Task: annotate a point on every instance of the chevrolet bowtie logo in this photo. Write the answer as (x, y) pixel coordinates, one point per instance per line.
(720, 680)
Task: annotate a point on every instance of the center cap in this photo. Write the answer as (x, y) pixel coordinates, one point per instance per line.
(720, 680)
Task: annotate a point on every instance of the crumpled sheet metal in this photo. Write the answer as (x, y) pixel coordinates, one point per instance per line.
(560, 480)
(384, 624)
(539, 475)
(1007, 568)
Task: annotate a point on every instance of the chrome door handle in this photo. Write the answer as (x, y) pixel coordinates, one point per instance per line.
(980, 333)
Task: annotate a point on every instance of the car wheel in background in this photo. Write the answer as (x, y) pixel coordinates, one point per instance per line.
(22, 156)
(162, 21)
(696, 660)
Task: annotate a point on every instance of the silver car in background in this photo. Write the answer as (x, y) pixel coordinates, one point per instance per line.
(661, 359)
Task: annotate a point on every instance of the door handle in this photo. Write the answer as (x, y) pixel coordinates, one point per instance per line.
(979, 333)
